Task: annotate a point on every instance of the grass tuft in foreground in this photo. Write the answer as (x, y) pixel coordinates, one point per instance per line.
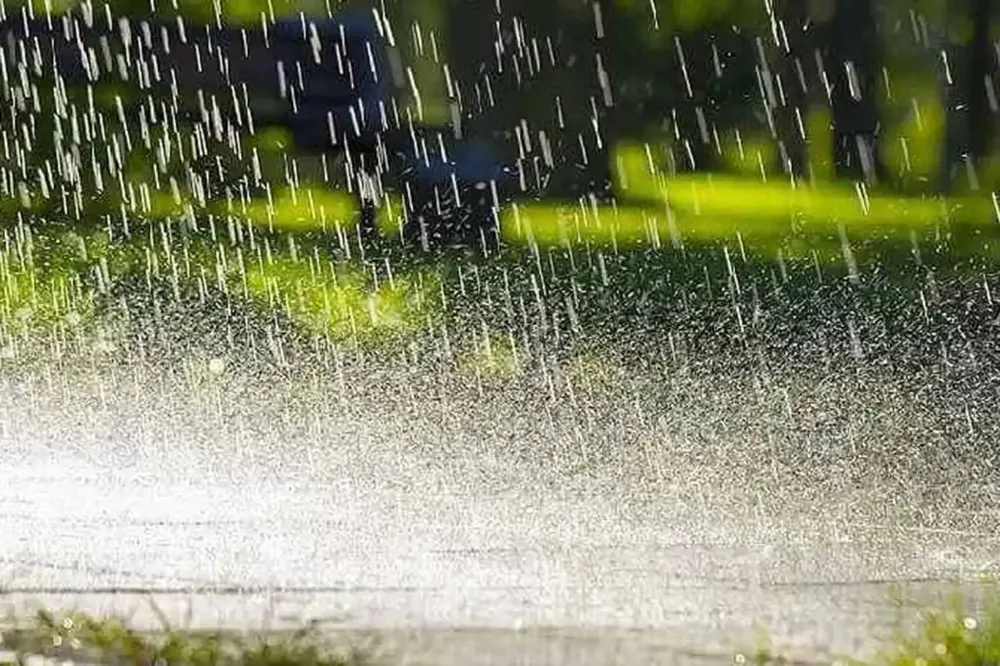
(952, 636)
(949, 636)
(80, 638)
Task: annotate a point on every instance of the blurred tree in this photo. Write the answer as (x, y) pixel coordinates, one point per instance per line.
(418, 51)
(535, 77)
(557, 83)
(970, 95)
(687, 75)
(789, 34)
(853, 67)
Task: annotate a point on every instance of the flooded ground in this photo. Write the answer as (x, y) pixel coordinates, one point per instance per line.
(238, 501)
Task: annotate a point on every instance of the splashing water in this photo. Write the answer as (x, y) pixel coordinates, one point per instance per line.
(644, 404)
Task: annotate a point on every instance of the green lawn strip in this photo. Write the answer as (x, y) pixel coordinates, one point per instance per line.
(654, 209)
(764, 217)
(956, 633)
(55, 277)
(264, 249)
(343, 303)
(638, 179)
(298, 209)
(80, 637)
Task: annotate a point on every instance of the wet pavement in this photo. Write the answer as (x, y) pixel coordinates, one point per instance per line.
(249, 519)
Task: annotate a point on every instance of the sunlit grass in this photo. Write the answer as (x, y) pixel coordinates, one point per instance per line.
(652, 210)
(36, 292)
(769, 218)
(82, 638)
(629, 227)
(342, 303)
(308, 207)
(30, 299)
(953, 634)
(57, 282)
(757, 202)
(302, 209)
(751, 199)
(655, 210)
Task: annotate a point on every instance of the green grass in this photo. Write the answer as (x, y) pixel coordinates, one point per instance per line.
(53, 280)
(950, 636)
(954, 634)
(294, 248)
(767, 217)
(81, 637)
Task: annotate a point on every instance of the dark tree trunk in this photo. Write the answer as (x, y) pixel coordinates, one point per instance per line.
(982, 66)
(697, 83)
(538, 101)
(853, 72)
(471, 58)
(609, 117)
(793, 49)
(967, 96)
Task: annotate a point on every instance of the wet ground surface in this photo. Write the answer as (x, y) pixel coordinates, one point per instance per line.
(225, 513)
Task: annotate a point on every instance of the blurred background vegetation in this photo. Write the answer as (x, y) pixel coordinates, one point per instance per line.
(840, 136)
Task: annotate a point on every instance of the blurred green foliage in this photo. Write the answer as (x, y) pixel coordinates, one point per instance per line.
(668, 60)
